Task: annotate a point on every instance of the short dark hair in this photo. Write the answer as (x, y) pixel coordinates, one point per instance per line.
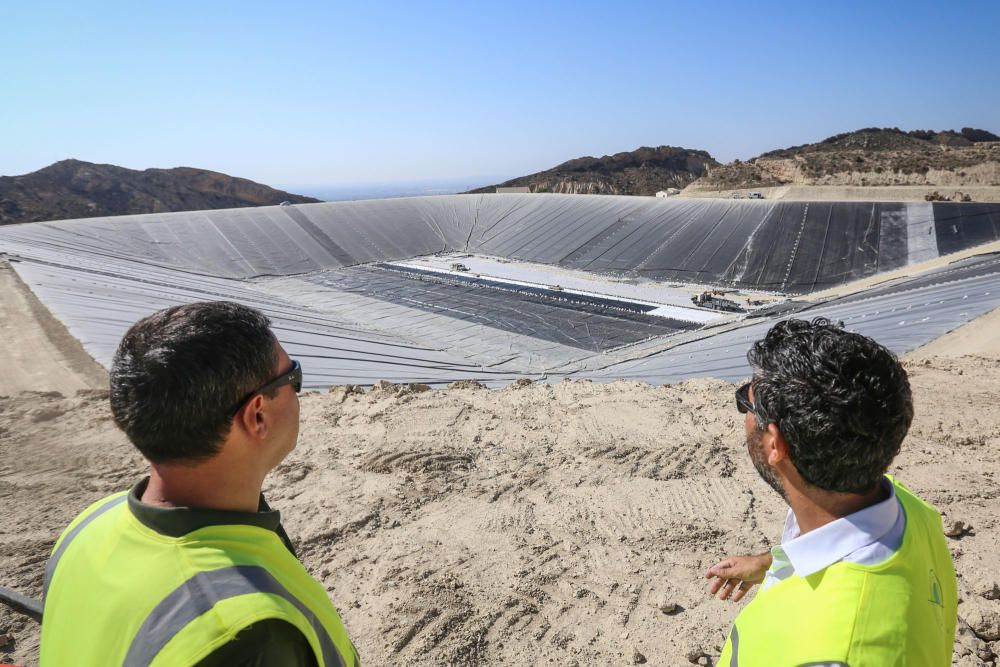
(178, 373)
(841, 401)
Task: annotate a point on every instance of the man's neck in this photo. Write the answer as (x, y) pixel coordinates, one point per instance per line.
(203, 486)
(814, 508)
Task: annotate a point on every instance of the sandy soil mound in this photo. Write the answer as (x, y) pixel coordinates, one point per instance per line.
(564, 524)
(38, 353)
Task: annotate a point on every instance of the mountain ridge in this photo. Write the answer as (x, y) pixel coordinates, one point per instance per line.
(867, 157)
(643, 171)
(77, 189)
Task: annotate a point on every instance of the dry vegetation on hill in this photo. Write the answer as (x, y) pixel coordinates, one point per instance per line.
(870, 157)
(640, 172)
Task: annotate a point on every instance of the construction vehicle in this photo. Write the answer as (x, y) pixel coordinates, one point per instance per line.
(713, 299)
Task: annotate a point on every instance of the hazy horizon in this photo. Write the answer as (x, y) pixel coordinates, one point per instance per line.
(347, 191)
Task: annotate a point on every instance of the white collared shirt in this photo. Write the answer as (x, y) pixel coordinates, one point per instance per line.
(867, 537)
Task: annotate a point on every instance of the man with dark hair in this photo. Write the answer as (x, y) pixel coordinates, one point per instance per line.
(863, 575)
(191, 567)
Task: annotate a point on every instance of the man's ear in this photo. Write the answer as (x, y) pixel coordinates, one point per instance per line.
(775, 445)
(251, 417)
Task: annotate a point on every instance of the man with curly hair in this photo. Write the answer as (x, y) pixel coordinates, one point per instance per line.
(863, 575)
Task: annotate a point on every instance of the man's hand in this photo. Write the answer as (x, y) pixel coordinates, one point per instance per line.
(736, 575)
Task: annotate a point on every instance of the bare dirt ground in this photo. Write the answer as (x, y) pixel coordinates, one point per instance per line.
(979, 193)
(560, 524)
(37, 352)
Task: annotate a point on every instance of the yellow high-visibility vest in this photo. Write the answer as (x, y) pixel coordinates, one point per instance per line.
(120, 593)
(902, 611)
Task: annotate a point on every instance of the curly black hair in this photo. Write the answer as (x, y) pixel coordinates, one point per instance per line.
(841, 401)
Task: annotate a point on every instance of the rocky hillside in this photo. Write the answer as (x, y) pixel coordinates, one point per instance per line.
(870, 157)
(641, 172)
(75, 189)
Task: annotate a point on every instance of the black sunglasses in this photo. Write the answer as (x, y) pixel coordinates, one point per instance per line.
(292, 377)
(743, 402)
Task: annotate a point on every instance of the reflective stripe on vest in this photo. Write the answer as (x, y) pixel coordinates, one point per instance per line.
(50, 566)
(203, 591)
(235, 570)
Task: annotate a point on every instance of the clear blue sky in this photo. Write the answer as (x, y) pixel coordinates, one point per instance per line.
(292, 93)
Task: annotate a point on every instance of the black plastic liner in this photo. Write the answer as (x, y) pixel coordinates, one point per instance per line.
(100, 275)
(970, 267)
(573, 320)
(959, 227)
(790, 247)
(551, 293)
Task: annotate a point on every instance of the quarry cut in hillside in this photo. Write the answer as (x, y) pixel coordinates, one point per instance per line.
(868, 158)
